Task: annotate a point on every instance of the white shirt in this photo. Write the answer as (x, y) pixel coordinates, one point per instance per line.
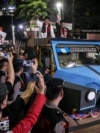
(44, 35)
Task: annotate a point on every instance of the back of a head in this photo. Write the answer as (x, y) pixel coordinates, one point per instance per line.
(2, 61)
(33, 57)
(18, 66)
(3, 92)
(54, 87)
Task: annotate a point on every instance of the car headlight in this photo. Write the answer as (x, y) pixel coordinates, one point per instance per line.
(90, 96)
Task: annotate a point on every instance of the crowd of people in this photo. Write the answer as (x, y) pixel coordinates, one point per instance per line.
(29, 99)
(48, 31)
(47, 28)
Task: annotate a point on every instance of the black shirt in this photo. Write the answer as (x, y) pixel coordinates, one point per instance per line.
(55, 116)
(9, 86)
(14, 111)
(2, 76)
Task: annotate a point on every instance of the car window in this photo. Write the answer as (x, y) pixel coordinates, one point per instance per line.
(73, 56)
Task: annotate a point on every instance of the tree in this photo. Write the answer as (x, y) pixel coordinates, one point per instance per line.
(12, 1)
(27, 8)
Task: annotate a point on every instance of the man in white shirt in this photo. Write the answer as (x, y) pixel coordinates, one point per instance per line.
(46, 28)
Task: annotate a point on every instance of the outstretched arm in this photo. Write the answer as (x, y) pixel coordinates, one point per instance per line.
(32, 116)
(11, 75)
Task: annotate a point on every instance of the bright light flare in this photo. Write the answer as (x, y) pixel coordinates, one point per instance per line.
(21, 26)
(59, 5)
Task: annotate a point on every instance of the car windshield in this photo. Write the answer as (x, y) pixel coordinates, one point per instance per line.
(73, 56)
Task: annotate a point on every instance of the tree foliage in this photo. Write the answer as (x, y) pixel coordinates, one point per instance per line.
(27, 8)
(11, 2)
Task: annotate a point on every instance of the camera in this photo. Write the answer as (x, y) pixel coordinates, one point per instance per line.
(34, 77)
(31, 77)
(27, 63)
(27, 66)
(4, 55)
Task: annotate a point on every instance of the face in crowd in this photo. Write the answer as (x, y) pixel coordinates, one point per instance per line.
(62, 23)
(46, 20)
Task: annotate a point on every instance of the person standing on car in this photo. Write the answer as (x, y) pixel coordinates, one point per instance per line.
(61, 30)
(46, 28)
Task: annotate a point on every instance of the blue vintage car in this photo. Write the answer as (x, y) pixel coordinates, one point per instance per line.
(78, 64)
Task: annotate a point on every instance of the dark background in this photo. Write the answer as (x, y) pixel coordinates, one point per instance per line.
(84, 14)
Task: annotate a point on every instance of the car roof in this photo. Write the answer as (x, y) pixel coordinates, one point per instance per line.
(74, 41)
